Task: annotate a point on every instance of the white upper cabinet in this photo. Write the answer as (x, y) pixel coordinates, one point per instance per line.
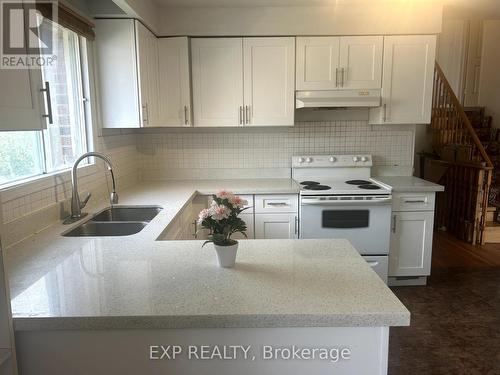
(147, 56)
(408, 72)
(21, 100)
(335, 63)
(317, 63)
(217, 67)
(361, 62)
(243, 81)
(269, 72)
(127, 61)
(174, 82)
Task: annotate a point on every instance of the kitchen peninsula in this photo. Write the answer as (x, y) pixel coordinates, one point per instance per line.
(119, 297)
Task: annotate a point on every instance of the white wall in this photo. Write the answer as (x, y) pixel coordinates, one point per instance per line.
(346, 18)
(451, 52)
(489, 86)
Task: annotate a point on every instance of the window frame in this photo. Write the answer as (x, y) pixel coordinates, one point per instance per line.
(90, 115)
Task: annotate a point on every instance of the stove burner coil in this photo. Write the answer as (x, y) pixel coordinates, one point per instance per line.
(317, 187)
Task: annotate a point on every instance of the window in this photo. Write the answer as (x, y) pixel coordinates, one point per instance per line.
(31, 153)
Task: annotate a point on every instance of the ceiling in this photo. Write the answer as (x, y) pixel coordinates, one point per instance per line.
(483, 6)
(260, 3)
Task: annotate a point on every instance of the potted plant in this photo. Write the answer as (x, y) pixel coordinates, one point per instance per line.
(222, 220)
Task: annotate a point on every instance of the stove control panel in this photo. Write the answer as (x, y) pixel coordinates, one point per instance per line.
(319, 161)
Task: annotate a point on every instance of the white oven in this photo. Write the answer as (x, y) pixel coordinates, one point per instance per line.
(339, 199)
(364, 222)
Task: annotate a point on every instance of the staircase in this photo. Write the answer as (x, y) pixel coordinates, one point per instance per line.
(489, 137)
(466, 169)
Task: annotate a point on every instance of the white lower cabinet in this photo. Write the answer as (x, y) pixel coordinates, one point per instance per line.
(411, 245)
(249, 221)
(276, 226)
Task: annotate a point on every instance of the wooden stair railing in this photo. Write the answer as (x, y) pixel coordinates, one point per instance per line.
(462, 208)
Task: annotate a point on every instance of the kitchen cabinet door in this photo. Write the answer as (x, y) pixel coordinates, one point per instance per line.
(116, 60)
(361, 62)
(411, 243)
(127, 63)
(269, 81)
(217, 68)
(21, 101)
(276, 226)
(174, 85)
(317, 63)
(248, 219)
(147, 56)
(408, 72)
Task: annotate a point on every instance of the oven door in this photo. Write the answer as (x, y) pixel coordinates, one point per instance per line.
(365, 223)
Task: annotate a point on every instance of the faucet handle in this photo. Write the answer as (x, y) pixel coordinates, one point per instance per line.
(84, 203)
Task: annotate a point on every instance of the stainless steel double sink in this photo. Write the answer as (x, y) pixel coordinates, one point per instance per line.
(115, 221)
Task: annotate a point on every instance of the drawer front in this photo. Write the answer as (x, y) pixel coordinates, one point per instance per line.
(413, 201)
(276, 203)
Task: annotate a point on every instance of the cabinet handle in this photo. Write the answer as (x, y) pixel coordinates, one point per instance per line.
(342, 74)
(373, 263)
(415, 201)
(385, 112)
(145, 113)
(296, 224)
(241, 114)
(247, 114)
(46, 90)
(394, 224)
(186, 122)
(195, 234)
(336, 77)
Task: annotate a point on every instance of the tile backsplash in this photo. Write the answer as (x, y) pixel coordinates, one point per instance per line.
(267, 152)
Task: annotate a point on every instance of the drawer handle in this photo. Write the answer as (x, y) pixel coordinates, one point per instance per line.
(278, 204)
(373, 263)
(415, 201)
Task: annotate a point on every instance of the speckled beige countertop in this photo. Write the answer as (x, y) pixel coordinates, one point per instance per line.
(137, 282)
(409, 184)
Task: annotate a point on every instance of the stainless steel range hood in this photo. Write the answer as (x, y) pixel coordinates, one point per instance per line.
(337, 98)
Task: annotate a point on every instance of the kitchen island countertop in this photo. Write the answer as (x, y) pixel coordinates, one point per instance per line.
(138, 282)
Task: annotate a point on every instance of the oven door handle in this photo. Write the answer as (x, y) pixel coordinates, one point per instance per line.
(326, 202)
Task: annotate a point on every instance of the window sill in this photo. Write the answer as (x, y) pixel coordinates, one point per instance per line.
(33, 184)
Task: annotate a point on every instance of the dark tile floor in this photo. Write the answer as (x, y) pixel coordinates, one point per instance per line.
(455, 323)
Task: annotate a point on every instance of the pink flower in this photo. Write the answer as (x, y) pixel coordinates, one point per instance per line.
(219, 212)
(224, 194)
(238, 201)
(203, 215)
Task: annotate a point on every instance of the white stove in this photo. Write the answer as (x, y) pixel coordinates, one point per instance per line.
(336, 175)
(340, 199)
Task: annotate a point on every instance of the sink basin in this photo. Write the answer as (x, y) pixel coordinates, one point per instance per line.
(93, 228)
(127, 213)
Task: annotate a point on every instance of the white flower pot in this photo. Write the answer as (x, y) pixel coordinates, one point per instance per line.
(226, 255)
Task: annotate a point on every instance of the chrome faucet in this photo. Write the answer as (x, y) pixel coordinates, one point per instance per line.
(76, 204)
